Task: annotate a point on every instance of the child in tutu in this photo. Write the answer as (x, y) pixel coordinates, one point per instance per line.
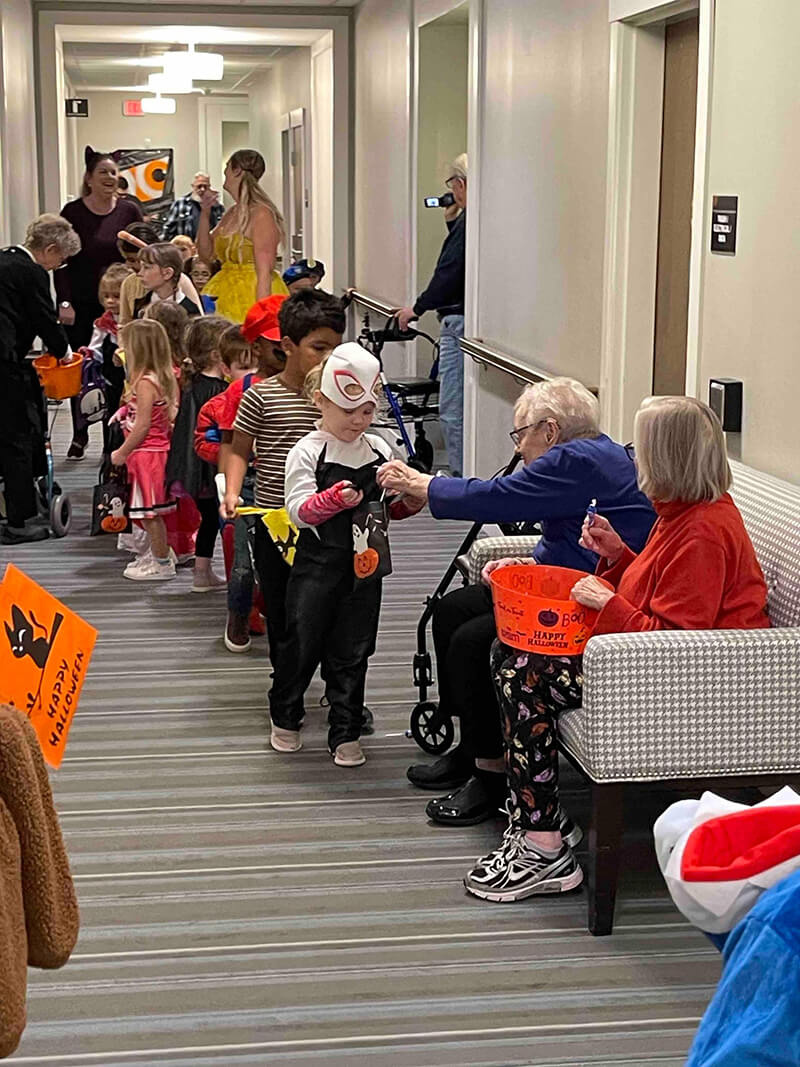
(147, 420)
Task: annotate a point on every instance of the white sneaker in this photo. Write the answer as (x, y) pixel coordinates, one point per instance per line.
(285, 740)
(349, 754)
(150, 570)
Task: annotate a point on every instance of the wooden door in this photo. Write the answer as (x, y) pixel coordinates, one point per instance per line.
(675, 207)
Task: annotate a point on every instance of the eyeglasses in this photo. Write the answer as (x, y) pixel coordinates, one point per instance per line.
(454, 178)
(516, 435)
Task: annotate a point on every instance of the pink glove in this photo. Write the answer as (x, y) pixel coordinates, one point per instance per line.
(329, 502)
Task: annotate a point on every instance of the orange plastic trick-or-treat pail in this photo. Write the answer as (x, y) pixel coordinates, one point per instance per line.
(534, 613)
(60, 380)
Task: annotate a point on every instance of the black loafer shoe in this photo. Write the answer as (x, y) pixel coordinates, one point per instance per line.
(21, 535)
(475, 802)
(447, 772)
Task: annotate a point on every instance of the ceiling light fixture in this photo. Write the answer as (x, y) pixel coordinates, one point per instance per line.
(166, 83)
(158, 105)
(199, 66)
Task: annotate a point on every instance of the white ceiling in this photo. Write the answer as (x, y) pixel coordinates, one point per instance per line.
(112, 65)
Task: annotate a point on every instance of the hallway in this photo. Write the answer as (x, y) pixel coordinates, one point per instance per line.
(231, 916)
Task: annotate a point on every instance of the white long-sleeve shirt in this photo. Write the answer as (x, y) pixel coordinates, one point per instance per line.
(302, 461)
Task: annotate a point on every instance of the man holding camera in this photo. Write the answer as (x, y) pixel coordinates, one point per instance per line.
(445, 296)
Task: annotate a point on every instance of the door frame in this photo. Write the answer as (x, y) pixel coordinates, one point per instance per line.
(636, 77)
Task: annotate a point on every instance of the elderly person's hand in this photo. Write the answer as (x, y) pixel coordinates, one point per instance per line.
(602, 538)
(398, 477)
(591, 592)
(506, 561)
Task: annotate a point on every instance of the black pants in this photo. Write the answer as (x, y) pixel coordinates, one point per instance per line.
(79, 334)
(114, 385)
(332, 621)
(209, 526)
(463, 632)
(532, 690)
(21, 439)
(273, 576)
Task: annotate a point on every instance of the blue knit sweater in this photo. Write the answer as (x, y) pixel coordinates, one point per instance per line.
(556, 490)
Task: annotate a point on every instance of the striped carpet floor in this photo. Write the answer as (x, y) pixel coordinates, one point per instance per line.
(244, 908)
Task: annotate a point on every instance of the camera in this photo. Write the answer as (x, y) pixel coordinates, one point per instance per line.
(446, 200)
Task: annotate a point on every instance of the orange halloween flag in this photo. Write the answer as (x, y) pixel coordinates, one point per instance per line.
(44, 654)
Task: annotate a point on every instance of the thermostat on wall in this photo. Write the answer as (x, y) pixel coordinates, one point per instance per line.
(724, 211)
(725, 400)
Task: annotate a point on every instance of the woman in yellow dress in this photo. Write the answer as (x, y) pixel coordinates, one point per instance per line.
(245, 240)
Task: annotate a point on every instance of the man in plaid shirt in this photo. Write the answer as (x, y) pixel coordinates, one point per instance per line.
(184, 213)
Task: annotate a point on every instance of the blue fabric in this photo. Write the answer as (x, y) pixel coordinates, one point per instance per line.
(556, 489)
(451, 389)
(754, 1018)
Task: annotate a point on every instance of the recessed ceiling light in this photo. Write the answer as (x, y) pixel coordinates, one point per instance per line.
(197, 66)
(165, 83)
(158, 105)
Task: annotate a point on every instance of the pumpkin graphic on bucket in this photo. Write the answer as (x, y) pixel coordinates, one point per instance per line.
(534, 612)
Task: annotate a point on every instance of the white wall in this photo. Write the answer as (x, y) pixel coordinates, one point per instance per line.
(751, 301)
(383, 150)
(542, 194)
(322, 89)
(282, 89)
(107, 129)
(19, 197)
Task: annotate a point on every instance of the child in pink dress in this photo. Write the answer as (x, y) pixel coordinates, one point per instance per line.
(147, 420)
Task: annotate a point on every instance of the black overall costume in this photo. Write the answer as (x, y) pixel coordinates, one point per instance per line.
(331, 615)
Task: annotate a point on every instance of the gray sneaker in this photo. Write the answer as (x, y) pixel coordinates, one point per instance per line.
(517, 870)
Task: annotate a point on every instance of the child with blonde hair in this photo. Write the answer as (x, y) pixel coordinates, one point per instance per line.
(333, 597)
(105, 341)
(175, 320)
(147, 420)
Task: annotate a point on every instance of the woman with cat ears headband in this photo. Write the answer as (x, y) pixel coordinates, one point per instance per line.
(97, 216)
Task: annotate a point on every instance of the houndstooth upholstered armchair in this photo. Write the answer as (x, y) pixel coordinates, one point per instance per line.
(687, 709)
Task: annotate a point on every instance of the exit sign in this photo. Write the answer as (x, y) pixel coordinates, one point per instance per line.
(77, 107)
(132, 108)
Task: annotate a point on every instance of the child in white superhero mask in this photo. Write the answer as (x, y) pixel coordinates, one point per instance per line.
(334, 594)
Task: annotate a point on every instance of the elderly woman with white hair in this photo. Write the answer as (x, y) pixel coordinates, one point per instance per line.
(698, 571)
(445, 295)
(27, 311)
(567, 463)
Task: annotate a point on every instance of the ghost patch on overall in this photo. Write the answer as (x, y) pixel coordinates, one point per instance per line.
(371, 558)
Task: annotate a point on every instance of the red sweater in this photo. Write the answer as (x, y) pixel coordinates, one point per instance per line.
(698, 571)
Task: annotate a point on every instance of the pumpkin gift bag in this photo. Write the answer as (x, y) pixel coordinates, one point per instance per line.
(371, 558)
(110, 503)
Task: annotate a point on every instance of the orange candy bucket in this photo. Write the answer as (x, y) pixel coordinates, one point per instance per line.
(534, 613)
(59, 380)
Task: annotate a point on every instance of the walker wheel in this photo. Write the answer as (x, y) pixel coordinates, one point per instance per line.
(433, 732)
(424, 453)
(60, 515)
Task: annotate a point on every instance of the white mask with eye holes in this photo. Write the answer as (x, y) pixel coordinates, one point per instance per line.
(351, 377)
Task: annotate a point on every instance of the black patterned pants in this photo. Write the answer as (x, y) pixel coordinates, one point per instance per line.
(531, 691)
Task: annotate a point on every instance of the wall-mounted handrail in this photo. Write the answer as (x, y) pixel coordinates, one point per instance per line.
(372, 303)
(493, 357)
(489, 356)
